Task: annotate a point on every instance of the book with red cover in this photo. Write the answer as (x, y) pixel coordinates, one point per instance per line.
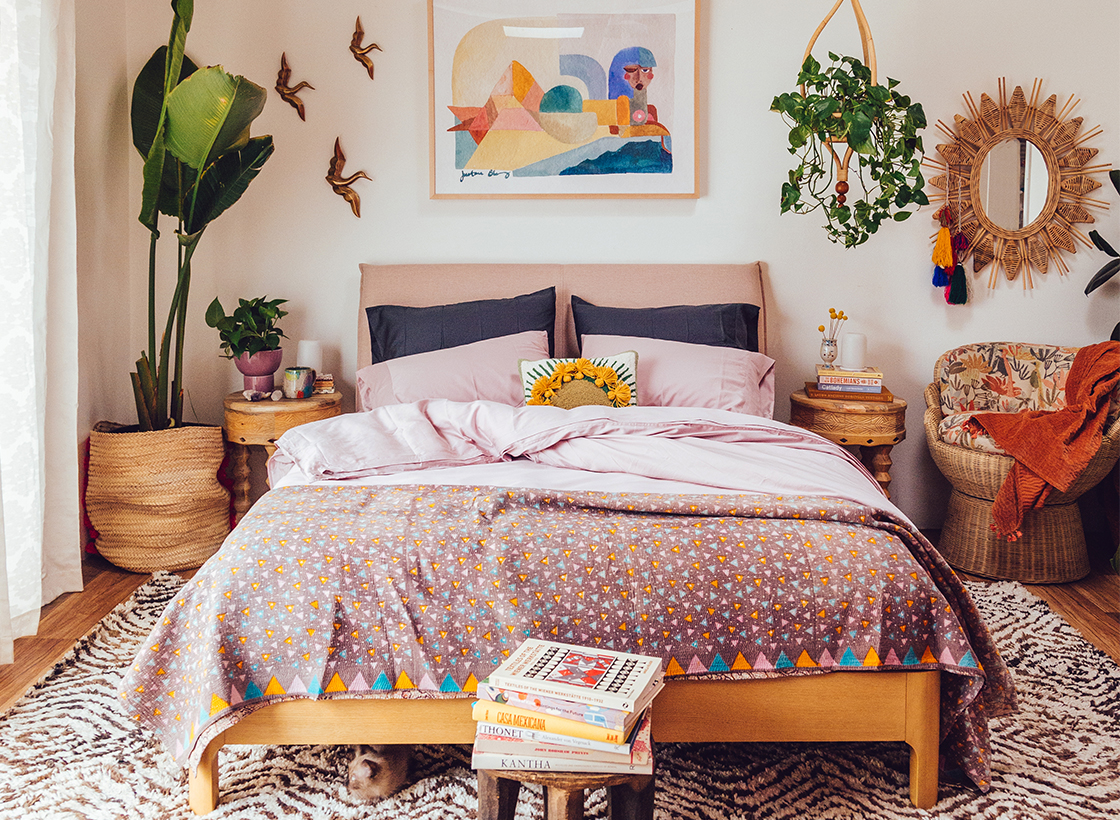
(812, 392)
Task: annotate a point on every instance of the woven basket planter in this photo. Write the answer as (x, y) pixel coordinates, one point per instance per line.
(154, 498)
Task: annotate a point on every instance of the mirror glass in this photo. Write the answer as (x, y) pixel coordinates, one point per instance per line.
(1013, 184)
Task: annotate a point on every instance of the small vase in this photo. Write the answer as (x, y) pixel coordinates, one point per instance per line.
(829, 349)
(258, 369)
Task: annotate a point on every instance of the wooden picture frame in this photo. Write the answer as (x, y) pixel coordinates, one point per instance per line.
(592, 98)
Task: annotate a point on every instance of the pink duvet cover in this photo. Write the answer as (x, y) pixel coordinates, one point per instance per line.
(341, 590)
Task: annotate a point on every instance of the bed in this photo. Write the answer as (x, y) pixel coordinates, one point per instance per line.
(354, 496)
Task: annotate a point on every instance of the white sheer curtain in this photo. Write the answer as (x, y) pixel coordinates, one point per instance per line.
(40, 548)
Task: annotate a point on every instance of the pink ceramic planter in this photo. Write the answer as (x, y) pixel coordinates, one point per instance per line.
(258, 369)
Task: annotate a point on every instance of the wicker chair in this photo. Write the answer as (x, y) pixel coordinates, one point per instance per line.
(1007, 377)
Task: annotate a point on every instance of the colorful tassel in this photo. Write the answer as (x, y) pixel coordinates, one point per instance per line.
(943, 247)
(940, 277)
(957, 292)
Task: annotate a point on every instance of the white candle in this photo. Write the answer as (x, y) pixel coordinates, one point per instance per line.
(853, 351)
(310, 354)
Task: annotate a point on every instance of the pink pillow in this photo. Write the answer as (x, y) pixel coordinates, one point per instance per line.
(485, 370)
(680, 374)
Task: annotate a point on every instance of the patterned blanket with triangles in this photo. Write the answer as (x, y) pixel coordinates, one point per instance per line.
(420, 591)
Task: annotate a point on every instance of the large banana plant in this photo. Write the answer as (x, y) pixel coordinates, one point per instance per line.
(191, 125)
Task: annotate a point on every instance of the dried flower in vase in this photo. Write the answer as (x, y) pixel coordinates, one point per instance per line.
(829, 347)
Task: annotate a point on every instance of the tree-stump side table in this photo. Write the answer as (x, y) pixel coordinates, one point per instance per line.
(262, 422)
(873, 426)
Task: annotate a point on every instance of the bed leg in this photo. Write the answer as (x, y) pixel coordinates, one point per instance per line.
(203, 780)
(923, 732)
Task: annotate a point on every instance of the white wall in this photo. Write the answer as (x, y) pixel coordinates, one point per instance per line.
(291, 237)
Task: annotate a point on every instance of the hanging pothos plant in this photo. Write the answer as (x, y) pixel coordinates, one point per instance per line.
(842, 104)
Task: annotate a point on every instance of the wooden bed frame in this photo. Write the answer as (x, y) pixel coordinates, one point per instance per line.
(838, 706)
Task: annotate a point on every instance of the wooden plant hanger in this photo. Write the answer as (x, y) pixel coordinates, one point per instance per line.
(868, 44)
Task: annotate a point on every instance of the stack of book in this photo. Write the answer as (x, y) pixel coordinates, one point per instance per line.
(832, 382)
(559, 707)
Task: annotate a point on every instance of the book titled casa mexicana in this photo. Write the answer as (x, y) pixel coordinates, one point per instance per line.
(602, 677)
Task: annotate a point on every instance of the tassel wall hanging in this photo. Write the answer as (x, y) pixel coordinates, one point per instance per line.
(957, 292)
(942, 250)
(949, 249)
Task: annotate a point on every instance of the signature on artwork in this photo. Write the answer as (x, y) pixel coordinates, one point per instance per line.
(463, 175)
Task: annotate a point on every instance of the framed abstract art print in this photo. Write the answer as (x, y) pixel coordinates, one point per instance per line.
(562, 98)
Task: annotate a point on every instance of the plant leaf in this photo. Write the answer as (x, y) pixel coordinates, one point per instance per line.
(155, 158)
(1103, 275)
(223, 183)
(215, 313)
(1102, 244)
(859, 130)
(209, 113)
(147, 98)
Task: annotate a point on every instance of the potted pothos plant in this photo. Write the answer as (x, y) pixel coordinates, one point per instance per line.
(842, 105)
(153, 493)
(251, 338)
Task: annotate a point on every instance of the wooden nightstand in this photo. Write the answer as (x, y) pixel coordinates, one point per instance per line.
(262, 422)
(875, 427)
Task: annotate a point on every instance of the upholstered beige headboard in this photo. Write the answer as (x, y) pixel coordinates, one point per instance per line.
(607, 285)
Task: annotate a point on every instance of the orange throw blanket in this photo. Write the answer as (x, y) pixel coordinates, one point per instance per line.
(1052, 447)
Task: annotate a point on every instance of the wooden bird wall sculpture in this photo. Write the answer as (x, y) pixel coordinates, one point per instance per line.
(288, 93)
(341, 184)
(360, 52)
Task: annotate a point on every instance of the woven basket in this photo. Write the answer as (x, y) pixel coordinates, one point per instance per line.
(154, 498)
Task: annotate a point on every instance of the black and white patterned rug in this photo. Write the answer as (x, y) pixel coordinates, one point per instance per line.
(67, 750)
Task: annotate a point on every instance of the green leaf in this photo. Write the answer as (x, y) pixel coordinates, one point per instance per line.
(799, 136)
(790, 195)
(153, 184)
(223, 183)
(859, 131)
(153, 197)
(916, 115)
(1102, 244)
(147, 98)
(1103, 275)
(825, 106)
(879, 94)
(215, 313)
(209, 113)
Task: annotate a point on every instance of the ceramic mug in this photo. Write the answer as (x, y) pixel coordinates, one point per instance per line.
(299, 382)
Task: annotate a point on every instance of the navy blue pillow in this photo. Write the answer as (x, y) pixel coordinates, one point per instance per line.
(723, 325)
(396, 330)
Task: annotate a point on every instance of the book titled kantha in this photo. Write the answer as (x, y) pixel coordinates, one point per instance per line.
(600, 677)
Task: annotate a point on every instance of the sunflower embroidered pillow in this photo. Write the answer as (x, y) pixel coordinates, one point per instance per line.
(607, 380)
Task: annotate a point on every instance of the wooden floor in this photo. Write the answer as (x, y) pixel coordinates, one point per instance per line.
(1091, 605)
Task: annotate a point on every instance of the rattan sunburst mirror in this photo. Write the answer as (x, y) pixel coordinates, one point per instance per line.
(1012, 221)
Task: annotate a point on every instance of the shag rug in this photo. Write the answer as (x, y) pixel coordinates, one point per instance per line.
(67, 750)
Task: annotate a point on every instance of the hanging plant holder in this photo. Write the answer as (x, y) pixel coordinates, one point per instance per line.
(843, 105)
(868, 43)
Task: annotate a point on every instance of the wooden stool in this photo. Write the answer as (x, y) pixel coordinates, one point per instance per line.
(630, 796)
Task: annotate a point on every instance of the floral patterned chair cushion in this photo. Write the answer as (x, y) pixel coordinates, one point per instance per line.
(999, 377)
